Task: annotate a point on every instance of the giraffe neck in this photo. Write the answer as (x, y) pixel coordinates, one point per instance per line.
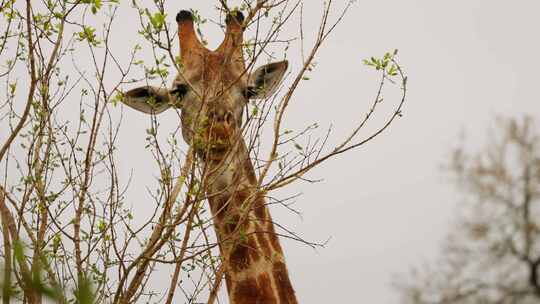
(250, 250)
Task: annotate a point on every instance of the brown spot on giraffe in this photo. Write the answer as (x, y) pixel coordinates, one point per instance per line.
(219, 208)
(260, 208)
(265, 285)
(246, 292)
(239, 258)
(211, 90)
(256, 291)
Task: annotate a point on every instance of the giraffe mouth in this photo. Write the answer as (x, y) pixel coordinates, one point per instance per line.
(213, 149)
(215, 142)
(218, 149)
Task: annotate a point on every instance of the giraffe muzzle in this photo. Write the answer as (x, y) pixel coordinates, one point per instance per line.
(219, 133)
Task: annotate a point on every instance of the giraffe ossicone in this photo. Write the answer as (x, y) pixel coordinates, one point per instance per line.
(211, 91)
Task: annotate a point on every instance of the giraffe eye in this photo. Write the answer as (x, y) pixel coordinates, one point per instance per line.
(249, 92)
(180, 91)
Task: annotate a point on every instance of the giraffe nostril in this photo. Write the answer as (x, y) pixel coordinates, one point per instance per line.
(211, 116)
(220, 116)
(229, 118)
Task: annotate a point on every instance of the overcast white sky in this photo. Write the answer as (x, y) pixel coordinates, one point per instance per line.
(387, 205)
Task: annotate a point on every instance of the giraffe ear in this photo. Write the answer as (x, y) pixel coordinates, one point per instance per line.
(265, 80)
(147, 99)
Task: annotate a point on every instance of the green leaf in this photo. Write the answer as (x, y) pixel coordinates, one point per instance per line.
(88, 33)
(117, 98)
(393, 70)
(157, 20)
(12, 88)
(56, 242)
(102, 225)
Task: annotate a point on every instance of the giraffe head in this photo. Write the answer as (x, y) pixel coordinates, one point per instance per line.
(211, 88)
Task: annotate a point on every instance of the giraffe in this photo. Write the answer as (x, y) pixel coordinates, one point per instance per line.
(211, 91)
